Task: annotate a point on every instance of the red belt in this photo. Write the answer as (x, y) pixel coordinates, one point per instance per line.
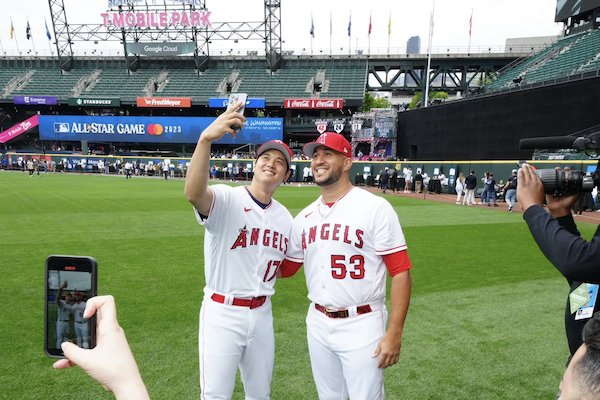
(343, 313)
(254, 302)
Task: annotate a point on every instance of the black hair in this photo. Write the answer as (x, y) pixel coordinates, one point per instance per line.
(588, 367)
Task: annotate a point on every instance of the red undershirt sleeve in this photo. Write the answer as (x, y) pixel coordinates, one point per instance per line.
(289, 268)
(397, 262)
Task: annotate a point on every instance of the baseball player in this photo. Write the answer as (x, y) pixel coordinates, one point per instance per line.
(82, 331)
(246, 236)
(63, 317)
(346, 256)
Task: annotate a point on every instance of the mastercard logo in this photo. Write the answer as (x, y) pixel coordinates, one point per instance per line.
(155, 129)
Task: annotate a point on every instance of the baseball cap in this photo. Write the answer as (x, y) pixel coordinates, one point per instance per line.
(276, 145)
(332, 140)
(514, 171)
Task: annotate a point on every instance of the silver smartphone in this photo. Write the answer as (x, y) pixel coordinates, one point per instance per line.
(238, 97)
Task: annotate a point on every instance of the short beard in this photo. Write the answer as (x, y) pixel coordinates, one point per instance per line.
(333, 178)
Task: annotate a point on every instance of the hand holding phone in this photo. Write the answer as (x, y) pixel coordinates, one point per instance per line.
(111, 362)
(70, 281)
(236, 98)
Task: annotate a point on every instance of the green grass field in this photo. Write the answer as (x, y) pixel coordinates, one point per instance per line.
(485, 322)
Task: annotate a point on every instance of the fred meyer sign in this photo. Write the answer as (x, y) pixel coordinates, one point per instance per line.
(164, 102)
(151, 129)
(94, 102)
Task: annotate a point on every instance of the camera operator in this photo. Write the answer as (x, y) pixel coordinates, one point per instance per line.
(557, 236)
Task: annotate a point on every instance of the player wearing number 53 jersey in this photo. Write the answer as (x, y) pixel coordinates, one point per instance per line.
(246, 236)
(348, 240)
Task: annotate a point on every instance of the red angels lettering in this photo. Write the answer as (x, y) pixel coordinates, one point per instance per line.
(336, 232)
(254, 236)
(325, 232)
(312, 234)
(241, 240)
(346, 238)
(266, 237)
(276, 240)
(285, 245)
(359, 236)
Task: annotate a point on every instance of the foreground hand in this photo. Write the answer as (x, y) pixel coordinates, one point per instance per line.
(530, 190)
(111, 362)
(388, 350)
(561, 206)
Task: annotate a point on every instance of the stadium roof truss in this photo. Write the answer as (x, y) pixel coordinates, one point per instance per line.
(268, 31)
(447, 74)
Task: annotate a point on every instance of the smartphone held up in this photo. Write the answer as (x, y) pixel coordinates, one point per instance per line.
(69, 281)
(236, 98)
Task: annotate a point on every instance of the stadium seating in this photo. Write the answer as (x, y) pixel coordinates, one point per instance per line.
(568, 56)
(299, 78)
(50, 82)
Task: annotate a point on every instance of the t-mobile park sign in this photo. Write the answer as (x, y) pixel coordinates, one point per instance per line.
(319, 104)
(155, 19)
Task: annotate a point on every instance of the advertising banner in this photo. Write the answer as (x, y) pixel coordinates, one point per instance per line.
(94, 102)
(19, 129)
(161, 49)
(164, 102)
(151, 129)
(223, 102)
(36, 100)
(317, 104)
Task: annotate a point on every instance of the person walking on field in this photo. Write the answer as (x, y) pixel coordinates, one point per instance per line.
(510, 190)
(346, 257)
(246, 236)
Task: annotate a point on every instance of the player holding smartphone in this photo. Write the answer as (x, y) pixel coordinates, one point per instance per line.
(70, 281)
(246, 235)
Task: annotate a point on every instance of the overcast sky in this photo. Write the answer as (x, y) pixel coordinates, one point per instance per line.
(493, 22)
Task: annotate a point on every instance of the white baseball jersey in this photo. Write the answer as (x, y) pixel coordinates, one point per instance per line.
(78, 309)
(62, 322)
(64, 310)
(81, 325)
(342, 246)
(244, 244)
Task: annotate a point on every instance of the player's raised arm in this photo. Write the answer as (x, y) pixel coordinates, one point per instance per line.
(59, 292)
(196, 180)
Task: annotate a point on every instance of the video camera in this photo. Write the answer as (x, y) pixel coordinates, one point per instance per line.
(561, 182)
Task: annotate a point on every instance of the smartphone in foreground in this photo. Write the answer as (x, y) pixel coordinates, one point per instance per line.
(70, 281)
(238, 97)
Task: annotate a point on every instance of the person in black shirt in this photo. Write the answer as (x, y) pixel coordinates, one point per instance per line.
(557, 236)
(470, 185)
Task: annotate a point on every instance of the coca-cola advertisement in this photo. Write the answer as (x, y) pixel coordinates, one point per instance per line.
(316, 104)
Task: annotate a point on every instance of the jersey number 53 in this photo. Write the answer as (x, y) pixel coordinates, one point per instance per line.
(355, 267)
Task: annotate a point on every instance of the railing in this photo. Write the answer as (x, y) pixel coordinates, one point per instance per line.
(315, 52)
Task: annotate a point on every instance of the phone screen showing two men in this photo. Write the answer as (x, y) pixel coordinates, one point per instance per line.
(70, 282)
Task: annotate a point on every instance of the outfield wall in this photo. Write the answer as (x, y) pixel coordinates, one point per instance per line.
(490, 127)
(501, 168)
